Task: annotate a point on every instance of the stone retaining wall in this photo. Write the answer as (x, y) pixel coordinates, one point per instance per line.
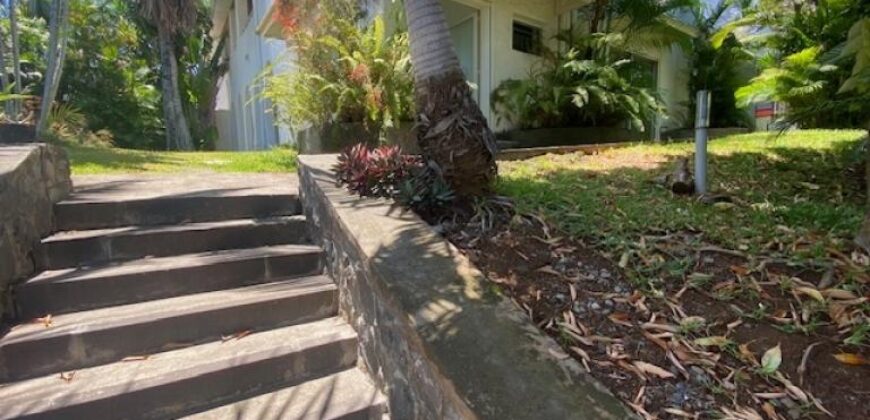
(438, 340)
(32, 178)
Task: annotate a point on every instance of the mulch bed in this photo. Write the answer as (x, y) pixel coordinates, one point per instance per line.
(703, 344)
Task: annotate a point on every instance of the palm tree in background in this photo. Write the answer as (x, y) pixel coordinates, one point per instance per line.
(172, 19)
(453, 134)
(58, 34)
(16, 58)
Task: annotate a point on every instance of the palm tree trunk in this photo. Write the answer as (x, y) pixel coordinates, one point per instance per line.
(16, 60)
(452, 132)
(177, 130)
(55, 55)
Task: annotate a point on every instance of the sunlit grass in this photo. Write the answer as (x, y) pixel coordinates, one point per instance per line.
(798, 186)
(100, 160)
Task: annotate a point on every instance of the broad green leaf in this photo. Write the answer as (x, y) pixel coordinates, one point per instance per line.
(771, 360)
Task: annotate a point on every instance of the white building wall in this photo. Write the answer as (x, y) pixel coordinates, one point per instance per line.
(248, 121)
(500, 62)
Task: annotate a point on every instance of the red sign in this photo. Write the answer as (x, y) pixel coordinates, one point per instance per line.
(767, 111)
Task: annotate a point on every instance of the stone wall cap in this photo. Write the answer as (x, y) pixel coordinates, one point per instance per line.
(497, 361)
(12, 154)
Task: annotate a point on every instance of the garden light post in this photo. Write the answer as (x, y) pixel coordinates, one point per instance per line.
(702, 121)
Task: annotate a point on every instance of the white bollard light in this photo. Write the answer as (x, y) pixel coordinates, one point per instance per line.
(702, 121)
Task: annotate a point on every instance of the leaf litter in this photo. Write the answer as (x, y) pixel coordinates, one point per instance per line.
(709, 333)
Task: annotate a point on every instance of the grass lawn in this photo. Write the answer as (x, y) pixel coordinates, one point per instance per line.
(675, 303)
(101, 160)
(798, 191)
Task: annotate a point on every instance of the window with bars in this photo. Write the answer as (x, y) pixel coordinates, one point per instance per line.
(527, 38)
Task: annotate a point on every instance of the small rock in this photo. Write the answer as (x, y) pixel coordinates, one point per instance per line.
(680, 395)
(578, 308)
(560, 297)
(562, 265)
(698, 376)
(608, 303)
(605, 274)
(595, 306)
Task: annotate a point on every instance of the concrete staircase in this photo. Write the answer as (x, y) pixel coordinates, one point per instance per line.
(208, 305)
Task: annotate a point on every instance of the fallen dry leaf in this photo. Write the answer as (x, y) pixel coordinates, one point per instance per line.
(136, 358)
(717, 341)
(620, 318)
(770, 411)
(792, 388)
(658, 341)
(237, 336)
(839, 294)
(652, 369)
(802, 368)
(548, 269)
(679, 413)
(46, 321)
(660, 327)
(853, 359)
(747, 354)
(623, 260)
(770, 395)
(813, 293)
(739, 270)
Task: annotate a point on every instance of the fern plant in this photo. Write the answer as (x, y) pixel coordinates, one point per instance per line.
(568, 90)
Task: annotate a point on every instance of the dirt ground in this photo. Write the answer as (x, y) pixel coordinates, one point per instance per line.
(735, 338)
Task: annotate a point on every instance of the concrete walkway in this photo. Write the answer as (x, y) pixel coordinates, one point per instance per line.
(100, 188)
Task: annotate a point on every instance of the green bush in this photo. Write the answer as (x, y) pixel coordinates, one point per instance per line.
(567, 90)
(344, 73)
(799, 50)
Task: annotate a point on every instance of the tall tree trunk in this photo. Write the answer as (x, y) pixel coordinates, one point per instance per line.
(177, 130)
(453, 133)
(55, 55)
(217, 68)
(863, 238)
(4, 80)
(206, 112)
(16, 60)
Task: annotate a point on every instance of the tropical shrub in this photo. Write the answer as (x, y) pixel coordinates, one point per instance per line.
(374, 172)
(721, 69)
(598, 81)
(567, 90)
(386, 172)
(67, 124)
(345, 72)
(110, 74)
(798, 46)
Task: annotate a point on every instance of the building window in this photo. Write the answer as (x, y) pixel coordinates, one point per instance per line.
(527, 38)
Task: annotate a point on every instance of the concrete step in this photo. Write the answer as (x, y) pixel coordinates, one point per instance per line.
(77, 289)
(346, 395)
(98, 213)
(90, 338)
(89, 247)
(189, 380)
